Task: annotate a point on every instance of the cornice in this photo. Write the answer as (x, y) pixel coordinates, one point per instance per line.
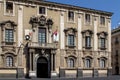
(60, 5)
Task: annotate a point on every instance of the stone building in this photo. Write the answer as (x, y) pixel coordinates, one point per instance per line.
(46, 39)
(115, 51)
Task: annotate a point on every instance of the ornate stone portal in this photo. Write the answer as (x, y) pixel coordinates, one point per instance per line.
(41, 56)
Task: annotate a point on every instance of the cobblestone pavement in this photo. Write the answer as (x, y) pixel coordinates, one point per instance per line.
(89, 78)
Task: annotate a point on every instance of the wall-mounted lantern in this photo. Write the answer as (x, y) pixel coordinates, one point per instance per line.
(49, 23)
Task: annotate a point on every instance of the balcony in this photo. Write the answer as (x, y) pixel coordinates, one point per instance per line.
(42, 45)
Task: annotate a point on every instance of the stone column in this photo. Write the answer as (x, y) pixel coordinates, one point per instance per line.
(32, 73)
(53, 72)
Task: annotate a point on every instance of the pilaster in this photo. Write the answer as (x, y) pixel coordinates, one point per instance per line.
(62, 37)
(79, 33)
(95, 34)
(20, 25)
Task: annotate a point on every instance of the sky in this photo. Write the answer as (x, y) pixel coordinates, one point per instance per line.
(105, 5)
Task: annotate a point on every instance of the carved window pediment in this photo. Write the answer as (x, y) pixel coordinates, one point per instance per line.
(8, 24)
(70, 31)
(87, 32)
(102, 34)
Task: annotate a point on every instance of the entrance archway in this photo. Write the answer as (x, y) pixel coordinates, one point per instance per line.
(42, 68)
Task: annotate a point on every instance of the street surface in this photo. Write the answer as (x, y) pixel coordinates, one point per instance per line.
(88, 78)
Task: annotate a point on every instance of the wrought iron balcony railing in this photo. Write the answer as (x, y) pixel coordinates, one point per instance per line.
(42, 45)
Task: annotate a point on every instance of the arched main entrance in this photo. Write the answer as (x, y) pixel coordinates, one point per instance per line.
(42, 68)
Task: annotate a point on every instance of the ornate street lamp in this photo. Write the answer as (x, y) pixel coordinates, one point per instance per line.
(49, 23)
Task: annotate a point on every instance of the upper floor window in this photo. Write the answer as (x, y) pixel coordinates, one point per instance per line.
(70, 62)
(70, 34)
(70, 16)
(116, 40)
(102, 42)
(87, 18)
(102, 20)
(9, 61)
(9, 8)
(87, 41)
(9, 36)
(70, 40)
(42, 35)
(9, 32)
(42, 10)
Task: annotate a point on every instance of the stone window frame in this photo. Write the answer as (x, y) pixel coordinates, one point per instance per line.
(68, 20)
(102, 24)
(105, 61)
(38, 10)
(87, 33)
(8, 25)
(90, 63)
(102, 35)
(74, 61)
(5, 55)
(70, 31)
(85, 21)
(5, 11)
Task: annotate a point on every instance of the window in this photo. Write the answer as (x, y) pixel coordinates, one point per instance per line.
(9, 37)
(87, 18)
(70, 62)
(9, 61)
(42, 10)
(102, 43)
(70, 15)
(102, 63)
(88, 41)
(42, 35)
(70, 40)
(116, 53)
(102, 20)
(9, 7)
(116, 40)
(87, 63)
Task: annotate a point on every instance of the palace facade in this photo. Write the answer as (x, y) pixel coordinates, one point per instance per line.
(42, 39)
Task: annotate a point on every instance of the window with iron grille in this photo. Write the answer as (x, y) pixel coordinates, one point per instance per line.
(9, 61)
(102, 63)
(70, 62)
(87, 63)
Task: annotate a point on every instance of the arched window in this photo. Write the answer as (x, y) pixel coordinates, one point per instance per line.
(70, 62)
(87, 63)
(102, 63)
(9, 61)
